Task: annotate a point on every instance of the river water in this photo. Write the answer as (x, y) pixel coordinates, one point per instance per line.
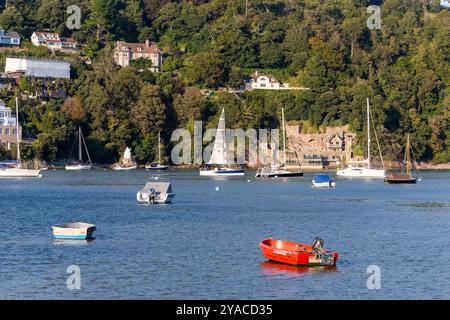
(205, 244)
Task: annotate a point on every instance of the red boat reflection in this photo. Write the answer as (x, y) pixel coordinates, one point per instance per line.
(275, 268)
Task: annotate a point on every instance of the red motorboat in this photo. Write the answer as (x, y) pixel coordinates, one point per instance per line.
(298, 254)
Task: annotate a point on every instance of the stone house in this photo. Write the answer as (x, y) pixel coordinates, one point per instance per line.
(125, 52)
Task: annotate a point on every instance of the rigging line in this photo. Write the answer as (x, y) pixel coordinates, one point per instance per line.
(376, 138)
(28, 133)
(71, 150)
(85, 147)
(414, 159)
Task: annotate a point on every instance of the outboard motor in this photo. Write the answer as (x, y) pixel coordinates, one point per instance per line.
(317, 244)
(151, 196)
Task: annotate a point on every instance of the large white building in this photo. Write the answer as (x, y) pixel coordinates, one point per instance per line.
(53, 41)
(445, 3)
(16, 67)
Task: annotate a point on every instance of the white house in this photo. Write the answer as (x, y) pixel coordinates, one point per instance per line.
(259, 80)
(39, 68)
(266, 81)
(445, 3)
(8, 128)
(53, 41)
(9, 38)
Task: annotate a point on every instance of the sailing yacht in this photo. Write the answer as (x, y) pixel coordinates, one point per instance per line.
(405, 176)
(157, 165)
(279, 170)
(217, 164)
(126, 162)
(15, 169)
(80, 165)
(365, 171)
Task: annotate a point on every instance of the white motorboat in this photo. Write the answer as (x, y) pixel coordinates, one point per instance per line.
(15, 169)
(323, 181)
(157, 166)
(156, 192)
(126, 163)
(73, 231)
(279, 171)
(218, 164)
(363, 169)
(80, 165)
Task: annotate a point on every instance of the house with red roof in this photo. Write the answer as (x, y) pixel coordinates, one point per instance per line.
(125, 52)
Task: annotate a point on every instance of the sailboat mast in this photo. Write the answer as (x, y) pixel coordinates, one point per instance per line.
(19, 162)
(368, 133)
(159, 147)
(80, 152)
(408, 159)
(284, 137)
(224, 130)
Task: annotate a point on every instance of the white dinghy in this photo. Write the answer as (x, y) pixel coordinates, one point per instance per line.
(73, 231)
(156, 191)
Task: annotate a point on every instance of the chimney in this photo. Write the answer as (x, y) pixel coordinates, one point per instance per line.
(147, 43)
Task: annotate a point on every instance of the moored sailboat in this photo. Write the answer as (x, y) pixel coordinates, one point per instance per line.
(355, 170)
(80, 165)
(279, 171)
(15, 169)
(157, 166)
(405, 176)
(218, 164)
(126, 162)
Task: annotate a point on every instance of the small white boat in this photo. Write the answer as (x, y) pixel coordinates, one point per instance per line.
(323, 181)
(221, 171)
(365, 171)
(278, 171)
(80, 165)
(157, 166)
(159, 192)
(73, 231)
(218, 165)
(126, 163)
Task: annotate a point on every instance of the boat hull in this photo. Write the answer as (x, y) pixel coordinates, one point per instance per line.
(296, 254)
(19, 173)
(157, 168)
(74, 231)
(330, 184)
(118, 168)
(221, 172)
(283, 174)
(361, 173)
(143, 198)
(77, 167)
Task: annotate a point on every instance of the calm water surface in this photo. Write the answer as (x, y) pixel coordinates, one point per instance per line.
(205, 244)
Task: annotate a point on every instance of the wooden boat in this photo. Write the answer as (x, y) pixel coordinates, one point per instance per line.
(323, 181)
(298, 254)
(73, 231)
(403, 177)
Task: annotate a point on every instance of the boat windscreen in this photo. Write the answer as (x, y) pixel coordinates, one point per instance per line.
(322, 178)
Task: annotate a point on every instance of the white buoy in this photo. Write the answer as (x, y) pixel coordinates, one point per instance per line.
(40, 175)
(217, 189)
(248, 180)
